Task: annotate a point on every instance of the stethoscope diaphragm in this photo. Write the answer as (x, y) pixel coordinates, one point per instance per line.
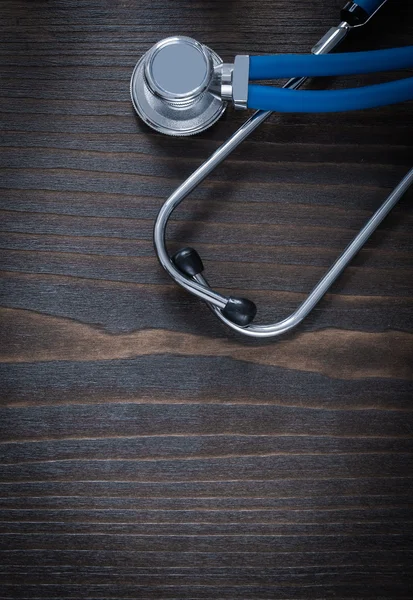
(172, 87)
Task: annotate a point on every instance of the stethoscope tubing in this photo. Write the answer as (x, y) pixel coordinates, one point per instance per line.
(263, 97)
(279, 66)
(370, 6)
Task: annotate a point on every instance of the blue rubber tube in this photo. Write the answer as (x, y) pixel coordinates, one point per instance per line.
(262, 97)
(280, 66)
(370, 6)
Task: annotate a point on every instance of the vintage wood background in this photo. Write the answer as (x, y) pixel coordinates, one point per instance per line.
(147, 452)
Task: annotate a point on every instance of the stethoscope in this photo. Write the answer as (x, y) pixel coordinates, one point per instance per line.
(181, 87)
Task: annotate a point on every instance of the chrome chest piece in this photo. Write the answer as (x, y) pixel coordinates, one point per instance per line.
(172, 87)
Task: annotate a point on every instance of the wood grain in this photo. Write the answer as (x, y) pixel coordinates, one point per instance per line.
(56, 339)
(146, 451)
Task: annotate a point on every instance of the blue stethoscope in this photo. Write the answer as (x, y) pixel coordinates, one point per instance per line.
(181, 87)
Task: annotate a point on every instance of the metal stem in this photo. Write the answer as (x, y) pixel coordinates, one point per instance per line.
(262, 331)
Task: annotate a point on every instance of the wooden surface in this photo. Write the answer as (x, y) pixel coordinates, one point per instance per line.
(146, 451)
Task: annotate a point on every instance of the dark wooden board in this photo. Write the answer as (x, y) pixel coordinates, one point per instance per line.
(145, 451)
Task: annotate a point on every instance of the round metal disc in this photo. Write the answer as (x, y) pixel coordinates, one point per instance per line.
(170, 87)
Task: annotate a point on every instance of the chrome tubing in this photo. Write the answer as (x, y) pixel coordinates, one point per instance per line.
(276, 329)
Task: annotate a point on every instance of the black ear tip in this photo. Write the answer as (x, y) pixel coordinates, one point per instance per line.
(188, 261)
(240, 311)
